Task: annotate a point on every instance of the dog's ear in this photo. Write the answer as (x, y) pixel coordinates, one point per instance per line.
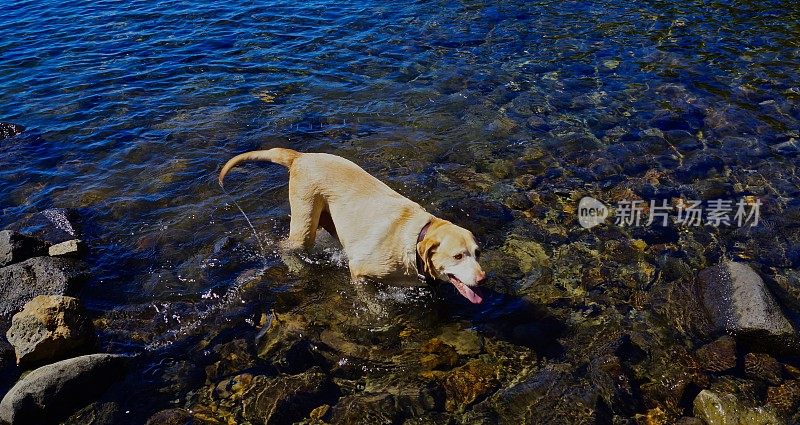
(425, 249)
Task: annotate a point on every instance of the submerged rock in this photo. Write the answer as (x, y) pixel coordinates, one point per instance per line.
(726, 409)
(763, 367)
(231, 357)
(674, 378)
(282, 399)
(785, 397)
(16, 247)
(8, 129)
(747, 391)
(467, 384)
(530, 254)
(171, 417)
(466, 342)
(550, 395)
(739, 303)
(719, 355)
(97, 413)
(284, 342)
(53, 391)
(438, 355)
(788, 148)
(50, 327)
(366, 409)
(21, 282)
(613, 381)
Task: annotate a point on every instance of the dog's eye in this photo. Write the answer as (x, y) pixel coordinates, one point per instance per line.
(458, 256)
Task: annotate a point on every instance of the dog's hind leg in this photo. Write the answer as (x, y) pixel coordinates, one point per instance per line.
(305, 209)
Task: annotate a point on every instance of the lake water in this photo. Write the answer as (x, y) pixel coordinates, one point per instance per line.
(498, 116)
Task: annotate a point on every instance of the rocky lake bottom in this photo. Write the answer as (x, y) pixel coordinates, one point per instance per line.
(133, 290)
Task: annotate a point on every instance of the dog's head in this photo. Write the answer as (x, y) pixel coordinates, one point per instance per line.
(449, 253)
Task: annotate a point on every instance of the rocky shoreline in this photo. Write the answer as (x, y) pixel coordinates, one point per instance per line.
(49, 334)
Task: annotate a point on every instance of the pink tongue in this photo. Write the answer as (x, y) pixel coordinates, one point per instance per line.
(466, 292)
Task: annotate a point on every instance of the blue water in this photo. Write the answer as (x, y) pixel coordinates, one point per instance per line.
(131, 107)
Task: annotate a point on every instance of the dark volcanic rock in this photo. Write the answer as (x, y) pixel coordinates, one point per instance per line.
(8, 129)
(54, 391)
(21, 282)
(53, 226)
(16, 247)
(50, 327)
(739, 303)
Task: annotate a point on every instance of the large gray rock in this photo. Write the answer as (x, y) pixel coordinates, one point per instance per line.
(50, 327)
(739, 303)
(53, 226)
(8, 129)
(50, 393)
(16, 247)
(21, 282)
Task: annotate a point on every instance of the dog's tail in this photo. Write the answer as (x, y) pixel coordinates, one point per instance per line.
(280, 156)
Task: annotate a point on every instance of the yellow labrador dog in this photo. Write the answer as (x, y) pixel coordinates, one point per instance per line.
(384, 235)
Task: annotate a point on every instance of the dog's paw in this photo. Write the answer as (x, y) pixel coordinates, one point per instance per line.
(291, 258)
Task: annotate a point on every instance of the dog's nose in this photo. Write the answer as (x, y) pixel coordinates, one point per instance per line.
(481, 277)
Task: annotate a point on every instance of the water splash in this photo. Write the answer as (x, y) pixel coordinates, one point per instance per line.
(216, 302)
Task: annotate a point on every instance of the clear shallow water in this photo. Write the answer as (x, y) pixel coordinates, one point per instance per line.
(462, 106)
